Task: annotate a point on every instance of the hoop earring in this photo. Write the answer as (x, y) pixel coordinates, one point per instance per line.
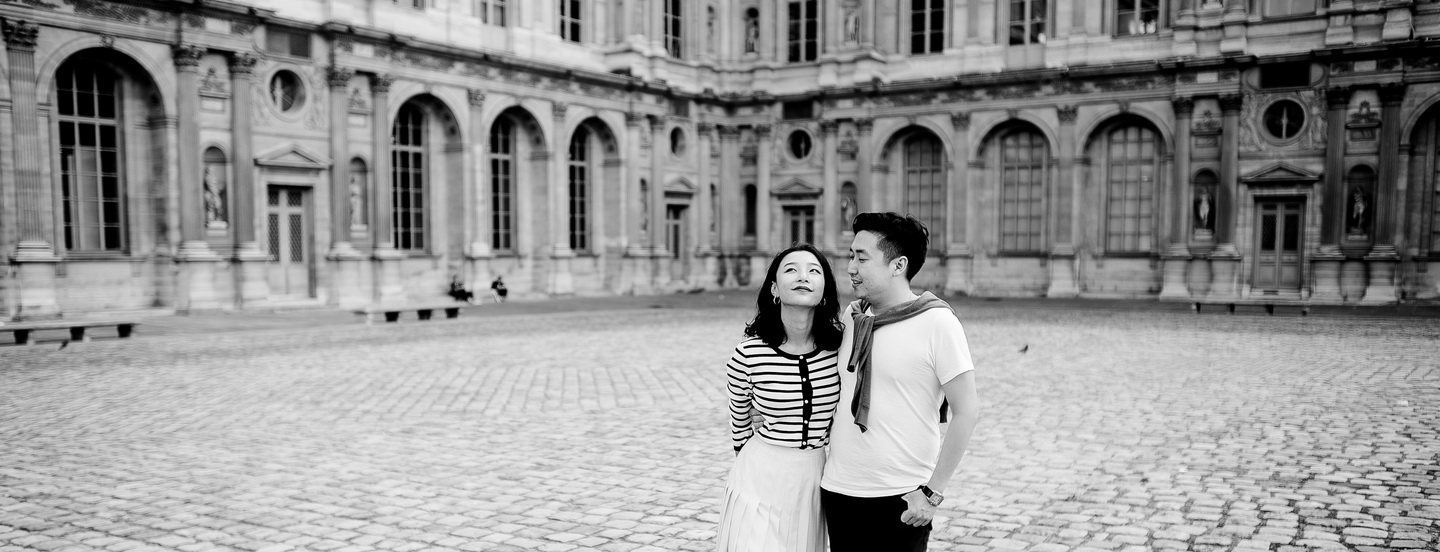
(822, 301)
(775, 299)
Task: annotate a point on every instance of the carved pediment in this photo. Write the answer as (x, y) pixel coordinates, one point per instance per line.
(796, 187)
(1280, 173)
(292, 156)
(680, 185)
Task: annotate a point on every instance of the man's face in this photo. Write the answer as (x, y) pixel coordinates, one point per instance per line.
(869, 273)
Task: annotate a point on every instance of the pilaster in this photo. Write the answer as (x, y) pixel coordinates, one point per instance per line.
(388, 286)
(764, 242)
(253, 285)
(1177, 251)
(1063, 282)
(830, 196)
(34, 256)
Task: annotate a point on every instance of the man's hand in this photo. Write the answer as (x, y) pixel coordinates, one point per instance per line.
(918, 511)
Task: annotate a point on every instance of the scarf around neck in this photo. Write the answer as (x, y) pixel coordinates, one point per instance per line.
(864, 340)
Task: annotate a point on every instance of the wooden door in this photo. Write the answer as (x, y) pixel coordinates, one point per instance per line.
(1279, 241)
(287, 222)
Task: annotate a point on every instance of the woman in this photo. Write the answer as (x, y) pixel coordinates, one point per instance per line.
(786, 372)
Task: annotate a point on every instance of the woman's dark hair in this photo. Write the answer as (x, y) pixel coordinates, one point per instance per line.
(824, 327)
(897, 235)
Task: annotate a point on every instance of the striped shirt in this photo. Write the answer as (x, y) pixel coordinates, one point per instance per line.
(795, 395)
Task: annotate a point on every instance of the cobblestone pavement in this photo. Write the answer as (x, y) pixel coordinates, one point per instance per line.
(604, 430)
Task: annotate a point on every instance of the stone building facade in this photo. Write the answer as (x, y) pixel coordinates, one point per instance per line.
(185, 155)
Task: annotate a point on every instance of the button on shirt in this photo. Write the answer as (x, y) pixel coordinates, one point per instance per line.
(795, 395)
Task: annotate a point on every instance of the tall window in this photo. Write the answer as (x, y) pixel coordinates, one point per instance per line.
(925, 184)
(1023, 159)
(580, 190)
(491, 12)
(927, 26)
(502, 179)
(1137, 17)
(673, 35)
(804, 28)
(91, 182)
(1028, 20)
(407, 166)
(1131, 163)
(570, 20)
(1289, 7)
(751, 199)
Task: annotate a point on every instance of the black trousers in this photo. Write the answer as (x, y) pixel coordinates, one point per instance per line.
(870, 524)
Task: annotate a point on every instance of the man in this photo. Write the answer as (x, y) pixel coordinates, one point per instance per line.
(906, 366)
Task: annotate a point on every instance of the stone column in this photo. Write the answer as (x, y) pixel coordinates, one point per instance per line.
(636, 209)
(655, 247)
(1225, 259)
(196, 289)
(865, 181)
(867, 25)
(35, 259)
(1383, 257)
(704, 275)
(1177, 250)
(957, 250)
(1327, 257)
(732, 208)
(764, 242)
(830, 196)
(347, 262)
(388, 286)
(561, 281)
(253, 285)
(480, 229)
(768, 22)
(1062, 250)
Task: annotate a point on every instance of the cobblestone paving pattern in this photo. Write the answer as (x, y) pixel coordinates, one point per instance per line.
(605, 431)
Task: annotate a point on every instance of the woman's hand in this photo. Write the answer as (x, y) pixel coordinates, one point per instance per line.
(918, 511)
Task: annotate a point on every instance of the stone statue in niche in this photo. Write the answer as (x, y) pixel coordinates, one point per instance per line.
(1204, 211)
(1358, 222)
(852, 25)
(644, 207)
(214, 198)
(752, 34)
(847, 210)
(357, 201)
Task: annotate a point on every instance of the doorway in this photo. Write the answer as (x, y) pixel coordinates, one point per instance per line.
(1279, 241)
(800, 222)
(675, 240)
(287, 224)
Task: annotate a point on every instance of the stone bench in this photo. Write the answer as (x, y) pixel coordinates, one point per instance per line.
(423, 311)
(24, 331)
(1268, 305)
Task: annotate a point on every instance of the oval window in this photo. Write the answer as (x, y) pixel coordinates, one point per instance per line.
(800, 144)
(677, 142)
(1284, 119)
(287, 91)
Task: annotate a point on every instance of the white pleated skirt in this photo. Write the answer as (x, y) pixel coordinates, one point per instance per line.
(772, 501)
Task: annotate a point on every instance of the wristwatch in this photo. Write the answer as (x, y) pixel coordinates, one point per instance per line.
(932, 497)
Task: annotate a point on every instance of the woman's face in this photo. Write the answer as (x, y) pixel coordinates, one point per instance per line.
(800, 281)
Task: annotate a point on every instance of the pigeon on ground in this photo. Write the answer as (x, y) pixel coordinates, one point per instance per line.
(1025, 349)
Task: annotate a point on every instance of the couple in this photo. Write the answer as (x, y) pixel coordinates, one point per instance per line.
(873, 383)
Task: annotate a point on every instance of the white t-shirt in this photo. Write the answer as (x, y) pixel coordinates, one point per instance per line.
(909, 362)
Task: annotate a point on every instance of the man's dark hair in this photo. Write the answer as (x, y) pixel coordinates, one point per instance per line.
(825, 322)
(898, 236)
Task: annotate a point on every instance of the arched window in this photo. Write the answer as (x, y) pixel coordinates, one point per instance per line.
(674, 39)
(579, 179)
(570, 20)
(751, 199)
(1132, 162)
(927, 26)
(804, 30)
(92, 184)
(215, 192)
(1359, 201)
(357, 190)
(925, 184)
(502, 178)
(407, 162)
(1024, 157)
